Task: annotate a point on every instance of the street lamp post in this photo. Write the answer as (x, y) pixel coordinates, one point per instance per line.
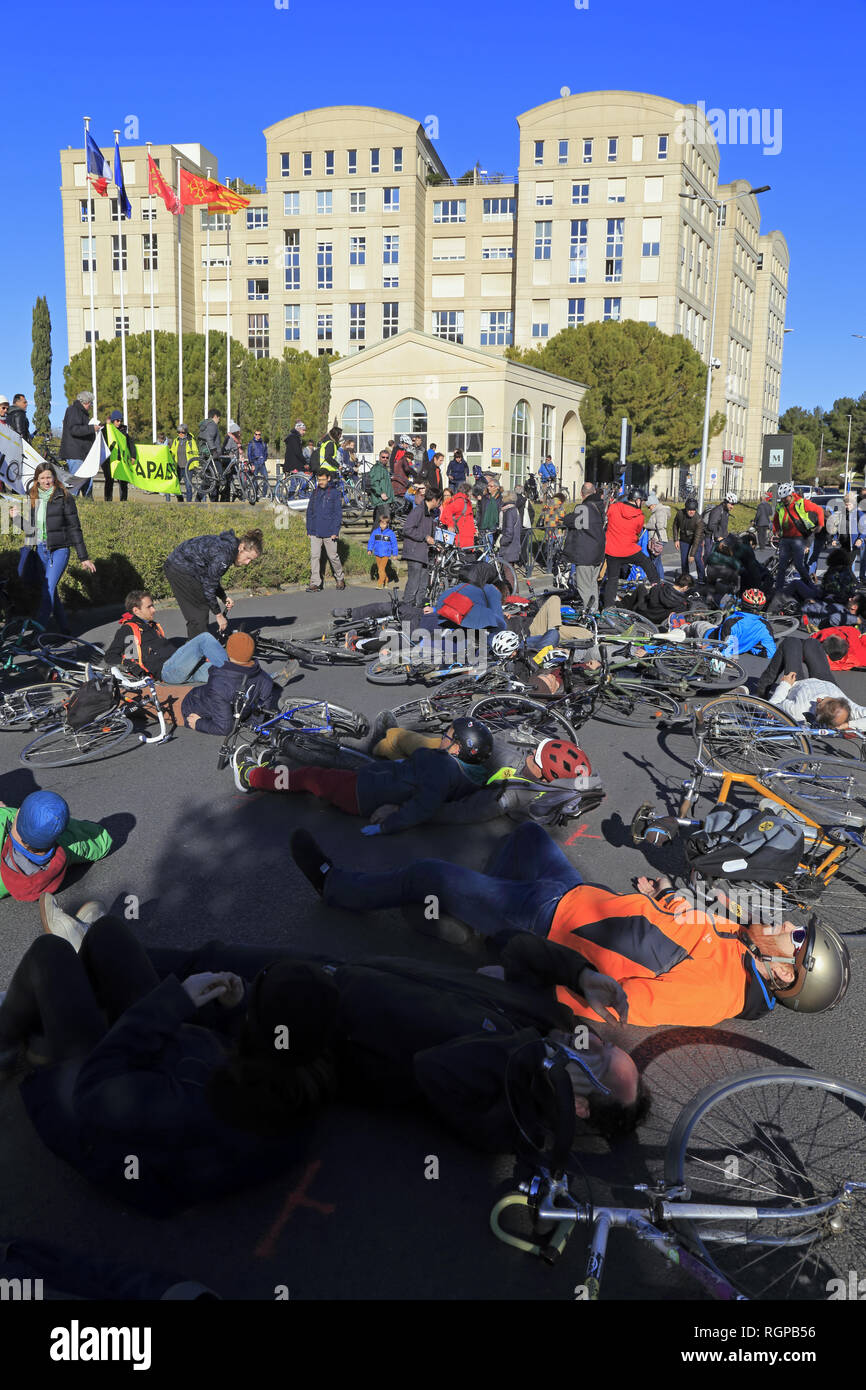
(847, 456)
(711, 361)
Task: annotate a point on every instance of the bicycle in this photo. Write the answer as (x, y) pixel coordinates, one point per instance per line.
(293, 487)
(63, 745)
(306, 731)
(751, 1204)
(211, 478)
(743, 733)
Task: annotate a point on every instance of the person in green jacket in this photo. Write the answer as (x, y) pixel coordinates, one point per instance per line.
(490, 507)
(37, 843)
(380, 487)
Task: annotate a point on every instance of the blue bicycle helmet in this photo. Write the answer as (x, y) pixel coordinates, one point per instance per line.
(42, 819)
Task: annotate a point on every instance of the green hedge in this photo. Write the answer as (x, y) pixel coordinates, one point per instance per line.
(129, 541)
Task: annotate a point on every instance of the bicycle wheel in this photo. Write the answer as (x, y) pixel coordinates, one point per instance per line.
(250, 489)
(778, 1141)
(69, 653)
(21, 633)
(206, 482)
(312, 715)
(61, 746)
(745, 734)
(631, 702)
(621, 622)
(522, 721)
(386, 673)
(30, 706)
(781, 626)
(320, 750)
(699, 669)
(831, 785)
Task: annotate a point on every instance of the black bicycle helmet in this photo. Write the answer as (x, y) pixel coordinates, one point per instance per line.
(474, 740)
(636, 494)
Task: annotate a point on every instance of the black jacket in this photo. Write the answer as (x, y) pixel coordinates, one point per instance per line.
(717, 522)
(16, 419)
(62, 527)
(584, 532)
(151, 649)
(207, 558)
(212, 701)
(208, 434)
(78, 433)
(418, 524)
(659, 601)
(418, 786)
(688, 528)
(510, 538)
(294, 453)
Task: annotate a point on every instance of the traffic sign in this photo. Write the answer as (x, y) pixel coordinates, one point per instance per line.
(714, 476)
(495, 455)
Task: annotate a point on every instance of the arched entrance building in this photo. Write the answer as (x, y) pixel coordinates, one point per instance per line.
(503, 415)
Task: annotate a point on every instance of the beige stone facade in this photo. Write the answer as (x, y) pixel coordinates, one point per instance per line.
(360, 235)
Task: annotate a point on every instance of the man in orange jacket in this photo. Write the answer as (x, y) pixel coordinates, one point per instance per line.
(625, 522)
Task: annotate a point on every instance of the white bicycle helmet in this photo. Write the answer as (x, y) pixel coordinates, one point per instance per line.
(785, 490)
(505, 644)
(732, 498)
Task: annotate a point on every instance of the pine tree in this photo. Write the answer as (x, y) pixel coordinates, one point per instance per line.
(40, 363)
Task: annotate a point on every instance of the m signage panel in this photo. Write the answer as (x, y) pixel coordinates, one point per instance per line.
(777, 459)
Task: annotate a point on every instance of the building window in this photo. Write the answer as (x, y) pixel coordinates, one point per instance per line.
(351, 161)
(118, 253)
(285, 164)
(258, 339)
(88, 337)
(612, 310)
(148, 211)
(542, 240)
(391, 199)
(587, 151)
(324, 202)
(636, 149)
(498, 209)
(88, 253)
(292, 260)
(357, 323)
(410, 417)
(293, 323)
(118, 329)
(616, 190)
(496, 328)
(291, 204)
(577, 252)
(308, 163)
(329, 161)
(257, 289)
(613, 250)
(358, 200)
(497, 253)
(398, 159)
(391, 256)
(466, 428)
(579, 194)
(539, 152)
(357, 250)
(218, 221)
(390, 319)
(324, 265)
(663, 147)
(448, 324)
(547, 418)
(651, 230)
(521, 448)
(374, 161)
(357, 423)
(576, 312)
(85, 216)
(149, 251)
(324, 329)
(115, 209)
(256, 218)
(451, 210)
(563, 152)
(543, 195)
(612, 148)
(257, 260)
(541, 319)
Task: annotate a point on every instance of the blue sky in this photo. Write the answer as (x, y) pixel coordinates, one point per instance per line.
(204, 72)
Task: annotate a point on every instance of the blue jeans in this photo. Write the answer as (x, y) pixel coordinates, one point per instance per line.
(527, 879)
(260, 471)
(51, 563)
(791, 552)
(180, 669)
(685, 547)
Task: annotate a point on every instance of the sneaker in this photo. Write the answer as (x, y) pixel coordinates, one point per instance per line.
(341, 613)
(740, 690)
(312, 861)
(313, 589)
(91, 912)
(381, 724)
(59, 923)
(341, 584)
(243, 762)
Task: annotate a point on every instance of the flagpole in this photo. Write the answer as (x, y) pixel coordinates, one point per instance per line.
(90, 258)
(207, 308)
(121, 219)
(228, 217)
(179, 306)
(152, 328)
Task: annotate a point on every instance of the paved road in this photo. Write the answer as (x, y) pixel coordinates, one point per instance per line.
(204, 861)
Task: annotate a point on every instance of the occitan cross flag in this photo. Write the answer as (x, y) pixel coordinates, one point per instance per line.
(196, 189)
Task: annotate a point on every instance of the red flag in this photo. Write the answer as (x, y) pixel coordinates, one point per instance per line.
(100, 185)
(157, 184)
(195, 189)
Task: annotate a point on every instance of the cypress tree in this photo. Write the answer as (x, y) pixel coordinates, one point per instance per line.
(40, 363)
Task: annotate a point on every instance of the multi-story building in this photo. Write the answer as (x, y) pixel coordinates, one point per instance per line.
(360, 235)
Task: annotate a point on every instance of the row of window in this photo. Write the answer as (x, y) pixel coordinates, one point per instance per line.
(149, 252)
(325, 202)
(465, 428)
(496, 324)
(586, 148)
(613, 251)
(329, 162)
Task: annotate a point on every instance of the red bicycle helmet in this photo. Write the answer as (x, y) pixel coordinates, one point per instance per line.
(754, 598)
(558, 758)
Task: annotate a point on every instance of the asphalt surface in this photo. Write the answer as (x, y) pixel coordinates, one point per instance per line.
(198, 860)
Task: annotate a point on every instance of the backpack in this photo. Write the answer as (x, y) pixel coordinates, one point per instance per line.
(94, 698)
(745, 844)
(315, 458)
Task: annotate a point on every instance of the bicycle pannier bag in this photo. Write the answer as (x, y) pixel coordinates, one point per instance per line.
(736, 844)
(455, 607)
(95, 697)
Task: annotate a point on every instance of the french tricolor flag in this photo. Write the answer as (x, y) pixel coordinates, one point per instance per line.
(98, 166)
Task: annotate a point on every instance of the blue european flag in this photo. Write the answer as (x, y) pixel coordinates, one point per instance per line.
(122, 196)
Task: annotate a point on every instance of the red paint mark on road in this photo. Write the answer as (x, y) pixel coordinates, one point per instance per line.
(296, 1198)
(581, 833)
